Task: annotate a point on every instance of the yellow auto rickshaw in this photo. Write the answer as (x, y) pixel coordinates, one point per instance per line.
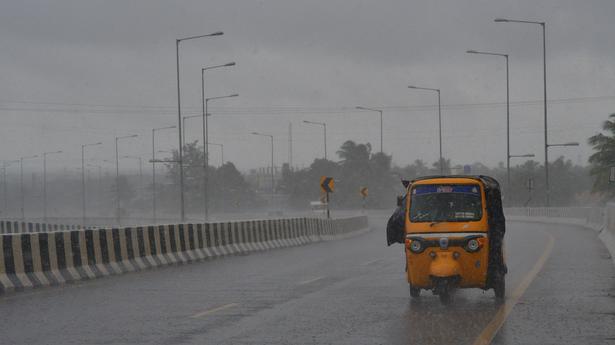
(453, 229)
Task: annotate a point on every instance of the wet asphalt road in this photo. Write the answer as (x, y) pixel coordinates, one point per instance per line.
(340, 292)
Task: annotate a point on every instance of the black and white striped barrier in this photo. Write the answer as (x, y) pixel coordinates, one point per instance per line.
(41, 259)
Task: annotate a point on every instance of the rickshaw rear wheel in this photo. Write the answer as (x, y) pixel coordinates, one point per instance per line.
(445, 297)
(443, 290)
(415, 292)
(499, 286)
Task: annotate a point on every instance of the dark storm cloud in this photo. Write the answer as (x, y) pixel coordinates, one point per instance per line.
(307, 54)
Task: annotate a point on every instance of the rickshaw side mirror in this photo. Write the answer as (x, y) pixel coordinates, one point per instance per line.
(400, 201)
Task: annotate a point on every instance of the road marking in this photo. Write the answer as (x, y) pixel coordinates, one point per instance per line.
(310, 280)
(371, 262)
(489, 332)
(214, 310)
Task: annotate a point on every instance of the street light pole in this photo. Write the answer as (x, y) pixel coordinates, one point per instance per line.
(206, 148)
(324, 126)
(179, 121)
(117, 177)
(439, 122)
(544, 70)
(154, 130)
(380, 111)
(45, 184)
(507, 113)
(205, 114)
(272, 165)
(204, 105)
(21, 159)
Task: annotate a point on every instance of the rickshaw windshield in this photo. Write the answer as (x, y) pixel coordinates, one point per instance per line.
(445, 203)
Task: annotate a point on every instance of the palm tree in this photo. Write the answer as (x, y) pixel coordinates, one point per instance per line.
(604, 157)
(351, 152)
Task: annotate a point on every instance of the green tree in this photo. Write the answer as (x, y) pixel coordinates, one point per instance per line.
(229, 189)
(303, 185)
(193, 158)
(604, 157)
(382, 183)
(355, 172)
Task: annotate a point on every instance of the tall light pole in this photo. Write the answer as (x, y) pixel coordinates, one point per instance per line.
(45, 154)
(179, 121)
(324, 126)
(439, 122)
(272, 166)
(507, 113)
(206, 149)
(203, 99)
(117, 177)
(376, 110)
(221, 152)
(154, 130)
(544, 77)
(5, 164)
(21, 159)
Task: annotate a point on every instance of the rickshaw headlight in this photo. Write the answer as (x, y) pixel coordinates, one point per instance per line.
(416, 246)
(472, 245)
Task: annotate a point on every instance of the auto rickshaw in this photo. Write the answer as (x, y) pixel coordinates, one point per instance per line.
(453, 229)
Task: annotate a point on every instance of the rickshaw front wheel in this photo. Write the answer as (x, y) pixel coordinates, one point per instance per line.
(415, 292)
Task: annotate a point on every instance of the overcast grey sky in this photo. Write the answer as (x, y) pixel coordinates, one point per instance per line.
(73, 72)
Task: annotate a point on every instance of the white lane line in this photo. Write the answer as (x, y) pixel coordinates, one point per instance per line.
(214, 310)
(371, 262)
(310, 280)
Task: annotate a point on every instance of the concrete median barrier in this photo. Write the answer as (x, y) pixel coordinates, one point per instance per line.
(34, 259)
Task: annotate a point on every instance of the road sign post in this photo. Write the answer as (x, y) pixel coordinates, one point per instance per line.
(327, 185)
(530, 187)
